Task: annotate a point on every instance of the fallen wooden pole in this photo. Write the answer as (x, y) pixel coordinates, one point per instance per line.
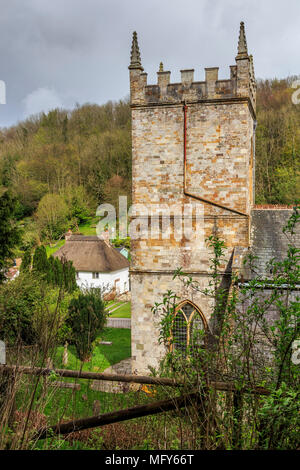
(76, 374)
(118, 416)
(230, 387)
(140, 379)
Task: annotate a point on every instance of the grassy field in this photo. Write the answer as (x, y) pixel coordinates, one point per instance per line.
(61, 404)
(113, 304)
(68, 403)
(124, 311)
(86, 229)
(52, 249)
(103, 355)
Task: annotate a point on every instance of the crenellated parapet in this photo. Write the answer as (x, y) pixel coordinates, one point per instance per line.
(240, 85)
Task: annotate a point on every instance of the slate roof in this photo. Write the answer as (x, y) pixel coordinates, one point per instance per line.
(268, 240)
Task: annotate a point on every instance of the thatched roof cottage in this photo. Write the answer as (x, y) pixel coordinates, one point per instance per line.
(97, 263)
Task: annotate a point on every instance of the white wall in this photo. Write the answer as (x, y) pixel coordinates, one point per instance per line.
(106, 280)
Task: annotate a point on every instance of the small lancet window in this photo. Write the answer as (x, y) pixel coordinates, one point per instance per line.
(188, 327)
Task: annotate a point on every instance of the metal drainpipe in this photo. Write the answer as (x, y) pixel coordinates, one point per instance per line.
(184, 177)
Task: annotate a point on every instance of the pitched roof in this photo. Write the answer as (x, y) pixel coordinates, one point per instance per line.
(91, 254)
(268, 239)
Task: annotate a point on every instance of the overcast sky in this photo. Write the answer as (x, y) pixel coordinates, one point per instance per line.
(61, 52)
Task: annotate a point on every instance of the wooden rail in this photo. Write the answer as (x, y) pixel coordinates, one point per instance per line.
(118, 416)
(130, 413)
(139, 379)
(175, 403)
(76, 374)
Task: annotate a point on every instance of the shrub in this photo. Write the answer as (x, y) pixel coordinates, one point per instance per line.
(58, 273)
(52, 216)
(86, 319)
(26, 261)
(40, 261)
(10, 235)
(247, 348)
(18, 302)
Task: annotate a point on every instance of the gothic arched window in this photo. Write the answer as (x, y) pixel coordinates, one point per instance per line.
(188, 327)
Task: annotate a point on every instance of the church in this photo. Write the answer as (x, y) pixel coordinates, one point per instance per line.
(193, 143)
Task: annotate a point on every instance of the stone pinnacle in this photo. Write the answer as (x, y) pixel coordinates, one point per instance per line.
(135, 59)
(242, 46)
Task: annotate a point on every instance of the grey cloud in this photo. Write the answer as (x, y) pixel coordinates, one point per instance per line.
(41, 100)
(79, 49)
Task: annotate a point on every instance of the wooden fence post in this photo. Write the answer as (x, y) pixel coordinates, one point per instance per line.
(7, 395)
(237, 419)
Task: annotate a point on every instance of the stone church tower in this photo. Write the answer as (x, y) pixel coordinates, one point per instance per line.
(192, 147)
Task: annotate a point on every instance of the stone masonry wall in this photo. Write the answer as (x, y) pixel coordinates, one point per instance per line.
(218, 154)
(219, 164)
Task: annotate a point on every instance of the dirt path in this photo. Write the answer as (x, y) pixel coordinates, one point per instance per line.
(119, 306)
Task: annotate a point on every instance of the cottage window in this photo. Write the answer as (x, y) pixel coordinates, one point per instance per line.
(188, 327)
(95, 275)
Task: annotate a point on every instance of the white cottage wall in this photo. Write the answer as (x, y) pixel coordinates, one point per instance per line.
(106, 281)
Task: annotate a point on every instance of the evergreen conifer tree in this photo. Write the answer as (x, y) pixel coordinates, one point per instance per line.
(10, 235)
(26, 261)
(58, 273)
(51, 270)
(40, 260)
(86, 319)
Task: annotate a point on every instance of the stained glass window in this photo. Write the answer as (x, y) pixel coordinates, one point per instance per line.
(188, 328)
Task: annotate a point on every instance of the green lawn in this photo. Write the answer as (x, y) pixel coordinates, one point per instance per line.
(103, 356)
(68, 403)
(52, 249)
(111, 304)
(114, 304)
(86, 229)
(124, 311)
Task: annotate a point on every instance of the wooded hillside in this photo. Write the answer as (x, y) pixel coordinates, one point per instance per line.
(88, 148)
(75, 160)
(277, 143)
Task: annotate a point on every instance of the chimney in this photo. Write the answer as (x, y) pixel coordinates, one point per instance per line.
(105, 237)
